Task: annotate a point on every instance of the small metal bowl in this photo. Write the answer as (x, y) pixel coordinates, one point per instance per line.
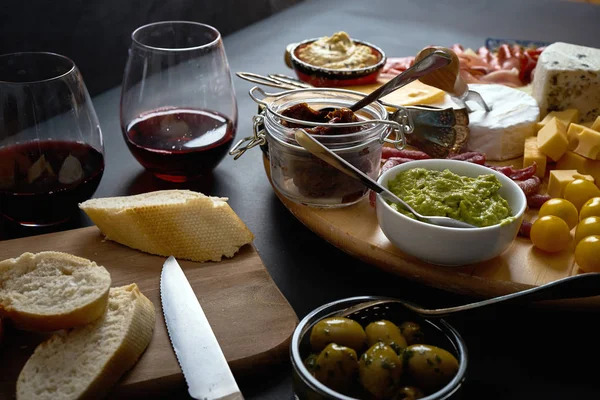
(327, 77)
(437, 331)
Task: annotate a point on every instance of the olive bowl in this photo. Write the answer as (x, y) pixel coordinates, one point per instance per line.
(436, 332)
(327, 77)
(447, 246)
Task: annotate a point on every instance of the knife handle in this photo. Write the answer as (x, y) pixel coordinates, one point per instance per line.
(446, 78)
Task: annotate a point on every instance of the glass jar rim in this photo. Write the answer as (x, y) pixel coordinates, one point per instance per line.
(209, 28)
(379, 113)
(69, 66)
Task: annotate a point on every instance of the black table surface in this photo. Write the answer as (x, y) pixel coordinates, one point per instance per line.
(514, 352)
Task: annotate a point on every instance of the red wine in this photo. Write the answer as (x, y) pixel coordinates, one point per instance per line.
(180, 144)
(42, 182)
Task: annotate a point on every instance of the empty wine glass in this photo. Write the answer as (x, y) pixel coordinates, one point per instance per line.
(178, 106)
(51, 149)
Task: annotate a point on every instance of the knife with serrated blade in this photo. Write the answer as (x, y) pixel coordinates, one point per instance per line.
(201, 359)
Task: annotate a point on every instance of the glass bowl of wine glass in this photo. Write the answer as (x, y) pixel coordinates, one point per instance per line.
(51, 148)
(178, 106)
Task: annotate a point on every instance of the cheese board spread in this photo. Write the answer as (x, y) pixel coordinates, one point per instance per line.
(538, 130)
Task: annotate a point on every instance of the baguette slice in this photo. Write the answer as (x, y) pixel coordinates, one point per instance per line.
(179, 223)
(50, 290)
(86, 362)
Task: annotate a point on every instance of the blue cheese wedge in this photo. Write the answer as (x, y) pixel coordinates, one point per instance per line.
(568, 76)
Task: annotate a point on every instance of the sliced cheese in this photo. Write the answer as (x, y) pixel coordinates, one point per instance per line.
(501, 132)
(572, 160)
(568, 76)
(533, 154)
(412, 94)
(566, 116)
(552, 139)
(588, 144)
(560, 178)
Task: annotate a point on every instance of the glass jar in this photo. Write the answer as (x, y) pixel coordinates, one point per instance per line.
(437, 332)
(299, 175)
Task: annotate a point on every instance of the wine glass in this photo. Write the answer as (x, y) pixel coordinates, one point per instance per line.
(51, 149)
(178, 106)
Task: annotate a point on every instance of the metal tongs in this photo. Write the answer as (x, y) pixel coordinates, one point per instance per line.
(274, 80)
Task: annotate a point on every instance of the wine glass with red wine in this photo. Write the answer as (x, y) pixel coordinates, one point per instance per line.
(178, 106)
(51, 150)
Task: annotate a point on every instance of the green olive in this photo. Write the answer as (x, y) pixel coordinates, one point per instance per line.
(386, 332)
(380, 370)
(337, 367)
(430, 366)
(310, 363)
(412, 332)
(342, 331)
(409, 393)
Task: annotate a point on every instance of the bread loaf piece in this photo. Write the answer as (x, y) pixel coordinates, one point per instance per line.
(179, 223)
(86, 362)
(50, 290)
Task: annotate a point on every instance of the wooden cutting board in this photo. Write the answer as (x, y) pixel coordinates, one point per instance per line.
(252, 320)
(355, 230)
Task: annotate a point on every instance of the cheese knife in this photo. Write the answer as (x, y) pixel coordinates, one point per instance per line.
(200, 357)
(448, 78)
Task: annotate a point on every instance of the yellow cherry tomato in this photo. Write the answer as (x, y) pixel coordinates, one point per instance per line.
(562, 209)
(587, 254)
(579, 191)
(587, 227)
(590, 208)
(550, 233)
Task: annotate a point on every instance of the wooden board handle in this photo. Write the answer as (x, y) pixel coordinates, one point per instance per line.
(447, 78)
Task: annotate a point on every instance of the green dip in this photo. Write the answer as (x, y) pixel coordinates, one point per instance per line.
(443, 193)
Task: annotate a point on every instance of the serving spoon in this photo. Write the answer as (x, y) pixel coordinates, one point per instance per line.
(577, 286)
(448, 79)
(429, 63)
(322, 152)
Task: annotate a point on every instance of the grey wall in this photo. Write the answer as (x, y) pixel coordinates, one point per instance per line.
(96, 33)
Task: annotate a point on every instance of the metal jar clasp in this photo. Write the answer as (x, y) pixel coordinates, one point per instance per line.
(258, 139)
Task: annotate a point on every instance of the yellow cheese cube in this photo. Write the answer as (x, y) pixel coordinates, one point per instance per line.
(596, 124)
(588, 144)
(532, 154)
(571, 160)
(572, 135)
(567, 116)
(552, 139)
(559, 178)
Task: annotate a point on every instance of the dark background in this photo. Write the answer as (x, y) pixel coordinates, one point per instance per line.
(96, 34)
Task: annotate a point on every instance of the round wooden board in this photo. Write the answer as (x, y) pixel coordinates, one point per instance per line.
(355, 230)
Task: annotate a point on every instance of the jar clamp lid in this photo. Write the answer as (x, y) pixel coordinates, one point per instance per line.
(267, 100)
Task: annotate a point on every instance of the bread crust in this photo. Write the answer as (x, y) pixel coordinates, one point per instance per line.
(181, 223)
(40, 320)
(135, 340)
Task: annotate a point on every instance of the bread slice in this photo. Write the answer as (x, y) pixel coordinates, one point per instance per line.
(86, 362)
(50, 290)
(179, 223)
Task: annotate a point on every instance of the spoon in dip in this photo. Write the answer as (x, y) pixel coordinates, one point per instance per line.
(433, 61)
(322, 152)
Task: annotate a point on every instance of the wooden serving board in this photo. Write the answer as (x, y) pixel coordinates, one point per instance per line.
(355, 230)
(252, 320)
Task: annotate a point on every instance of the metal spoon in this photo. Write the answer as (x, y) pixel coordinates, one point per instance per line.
(316, 148)
(577, 286)
(429, 63)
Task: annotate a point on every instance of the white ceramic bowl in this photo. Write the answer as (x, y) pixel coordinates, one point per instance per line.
(450, 246)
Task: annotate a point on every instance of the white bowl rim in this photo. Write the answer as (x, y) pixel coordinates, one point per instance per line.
(484, 170)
